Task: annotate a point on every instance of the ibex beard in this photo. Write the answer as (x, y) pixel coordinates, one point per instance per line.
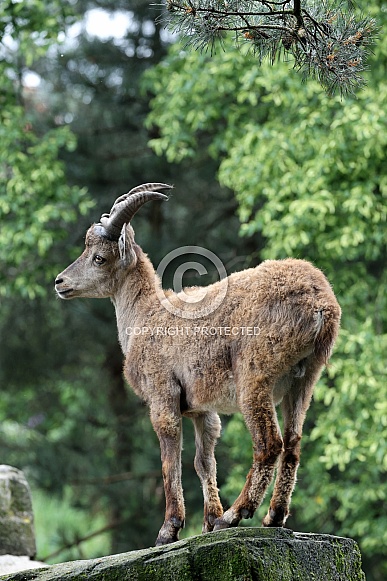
(298, 317)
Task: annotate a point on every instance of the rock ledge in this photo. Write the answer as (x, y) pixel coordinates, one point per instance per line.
(239, 554)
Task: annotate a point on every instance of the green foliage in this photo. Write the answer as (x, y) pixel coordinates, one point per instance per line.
(27, 29)
(68, 526)
(36, 203)
(310, 178)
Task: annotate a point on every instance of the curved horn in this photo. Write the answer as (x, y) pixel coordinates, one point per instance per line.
(125, 207)
(152, 187)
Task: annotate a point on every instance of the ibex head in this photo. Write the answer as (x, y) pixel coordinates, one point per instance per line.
(109, 248)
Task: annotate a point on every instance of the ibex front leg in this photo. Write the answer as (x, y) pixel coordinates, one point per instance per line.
(167, 424)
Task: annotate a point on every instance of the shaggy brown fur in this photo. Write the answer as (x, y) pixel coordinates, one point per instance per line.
(283, 320)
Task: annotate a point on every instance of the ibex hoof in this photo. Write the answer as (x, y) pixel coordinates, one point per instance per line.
(209, 522)
(161, 540)
(229, 519)
(275, 518)
(169, 532)
(221, 524)
(246, 513)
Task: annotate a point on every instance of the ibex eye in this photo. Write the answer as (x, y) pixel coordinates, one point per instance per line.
(98, 259)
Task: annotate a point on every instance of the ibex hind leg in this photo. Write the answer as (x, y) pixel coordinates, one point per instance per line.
(294, 407)
(207, 431)
(261, 419)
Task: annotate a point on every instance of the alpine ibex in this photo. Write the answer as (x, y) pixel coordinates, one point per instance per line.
(261, 338)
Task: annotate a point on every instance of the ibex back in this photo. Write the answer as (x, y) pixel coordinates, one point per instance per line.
(274, 331)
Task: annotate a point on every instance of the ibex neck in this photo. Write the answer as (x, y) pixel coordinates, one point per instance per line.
(132, 296)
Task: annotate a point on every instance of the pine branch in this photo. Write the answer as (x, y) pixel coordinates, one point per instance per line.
(327, 39)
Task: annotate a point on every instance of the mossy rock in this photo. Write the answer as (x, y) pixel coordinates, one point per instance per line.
(239, 554)
(17, 536)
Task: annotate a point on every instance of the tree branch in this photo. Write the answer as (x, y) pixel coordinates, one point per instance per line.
(326, 42)
(297, 12)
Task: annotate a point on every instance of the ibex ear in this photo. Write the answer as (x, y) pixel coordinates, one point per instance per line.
(125, 247)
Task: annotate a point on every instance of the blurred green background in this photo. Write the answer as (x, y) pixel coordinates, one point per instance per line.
(95, 100)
